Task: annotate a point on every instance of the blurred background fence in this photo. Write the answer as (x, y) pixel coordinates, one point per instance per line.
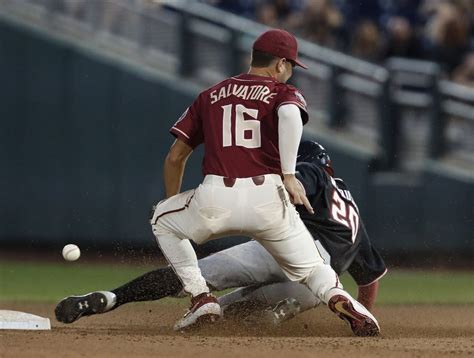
(90, 88)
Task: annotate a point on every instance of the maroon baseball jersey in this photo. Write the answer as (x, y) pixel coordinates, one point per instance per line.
(238, 123)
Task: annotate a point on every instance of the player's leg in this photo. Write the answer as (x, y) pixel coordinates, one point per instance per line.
(150, 286)
(273, 302)
(175, 222)
(270, 296)
(268, 304)
(252, 268)
(242, 265)
(292, 246)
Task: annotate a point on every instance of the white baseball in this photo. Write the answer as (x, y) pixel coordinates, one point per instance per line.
(71, 252)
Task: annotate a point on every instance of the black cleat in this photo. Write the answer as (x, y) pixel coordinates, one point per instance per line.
(72, 308)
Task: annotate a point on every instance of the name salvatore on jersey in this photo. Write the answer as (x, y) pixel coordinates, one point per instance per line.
(245, 92)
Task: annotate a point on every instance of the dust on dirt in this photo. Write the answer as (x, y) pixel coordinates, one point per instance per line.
(145, 330)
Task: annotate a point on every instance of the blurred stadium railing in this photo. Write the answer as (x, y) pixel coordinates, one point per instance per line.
(403, 111)
(403, 114)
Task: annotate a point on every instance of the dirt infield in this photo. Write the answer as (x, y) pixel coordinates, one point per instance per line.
(144, 330)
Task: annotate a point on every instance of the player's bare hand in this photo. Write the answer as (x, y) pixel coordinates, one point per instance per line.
(297, 192)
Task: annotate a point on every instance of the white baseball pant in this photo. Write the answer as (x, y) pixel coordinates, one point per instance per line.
(257, 207)
(261, 279)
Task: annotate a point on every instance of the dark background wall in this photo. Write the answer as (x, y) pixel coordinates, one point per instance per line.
(82, 141)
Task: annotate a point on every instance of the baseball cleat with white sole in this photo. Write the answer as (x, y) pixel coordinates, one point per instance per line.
(361, 321)
(72, 308)
(204, 309)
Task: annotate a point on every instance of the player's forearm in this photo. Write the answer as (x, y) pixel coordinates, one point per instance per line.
(173, 173)
(368, 294)
(173, 168)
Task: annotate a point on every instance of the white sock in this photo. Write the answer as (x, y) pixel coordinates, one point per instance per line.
(336, 291)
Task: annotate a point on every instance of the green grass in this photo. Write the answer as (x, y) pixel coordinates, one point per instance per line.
(51, 281)
(423, 287)
(27, 281)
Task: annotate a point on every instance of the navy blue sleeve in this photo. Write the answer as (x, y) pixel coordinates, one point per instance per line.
(311, 176)
(368, 265)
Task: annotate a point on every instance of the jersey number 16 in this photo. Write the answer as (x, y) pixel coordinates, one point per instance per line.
(241, 127)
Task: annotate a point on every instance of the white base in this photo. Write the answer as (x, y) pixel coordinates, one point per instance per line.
(22, 320)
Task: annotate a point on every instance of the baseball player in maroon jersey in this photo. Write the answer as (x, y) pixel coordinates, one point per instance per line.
(251, 126)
